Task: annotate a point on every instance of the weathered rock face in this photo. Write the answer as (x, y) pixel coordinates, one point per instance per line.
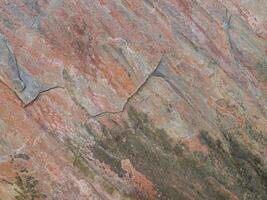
(121, 99)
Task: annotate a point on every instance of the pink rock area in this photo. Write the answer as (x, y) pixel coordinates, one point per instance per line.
(133, 99)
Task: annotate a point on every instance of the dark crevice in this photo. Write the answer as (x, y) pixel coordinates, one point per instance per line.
(69, 81)
(133, 95)
(19, 81)
(40, 93)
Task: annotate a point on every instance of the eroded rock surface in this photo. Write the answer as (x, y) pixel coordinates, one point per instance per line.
(145, 99)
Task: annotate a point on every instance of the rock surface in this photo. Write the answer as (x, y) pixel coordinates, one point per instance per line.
(123, 99)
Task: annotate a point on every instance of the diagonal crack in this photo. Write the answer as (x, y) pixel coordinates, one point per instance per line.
(35, 98)
(133, 95)
(26, 89)
(40, 93)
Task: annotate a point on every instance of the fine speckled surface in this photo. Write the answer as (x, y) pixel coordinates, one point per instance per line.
(133, 99)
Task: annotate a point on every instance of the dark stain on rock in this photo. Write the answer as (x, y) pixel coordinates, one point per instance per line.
(22, 156)
(241, 165)
(171, 167)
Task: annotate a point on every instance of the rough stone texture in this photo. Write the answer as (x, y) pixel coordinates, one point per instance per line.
(133, 99)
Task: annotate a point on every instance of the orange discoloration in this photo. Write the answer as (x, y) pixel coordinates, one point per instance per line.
(138, 179)
(7, 170)
(194, 145)
(185, 6)
(108, 49)
(223, 107)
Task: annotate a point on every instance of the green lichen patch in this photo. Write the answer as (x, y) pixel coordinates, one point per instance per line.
(174, 170)
(108, 187)
(26, 188)
(142, 126)
(261, 68)
(104, 156)
(82, 165)
(254, 134)
(240, 165)
(151, 153)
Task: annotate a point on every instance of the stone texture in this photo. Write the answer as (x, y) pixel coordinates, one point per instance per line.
(120, 99)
